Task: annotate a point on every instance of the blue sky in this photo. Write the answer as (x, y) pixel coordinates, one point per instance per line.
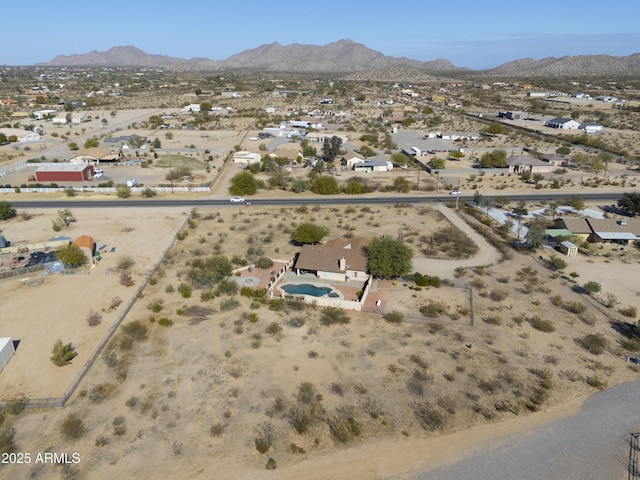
(469, 33)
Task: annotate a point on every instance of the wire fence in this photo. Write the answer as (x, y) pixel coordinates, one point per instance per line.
(33, 403)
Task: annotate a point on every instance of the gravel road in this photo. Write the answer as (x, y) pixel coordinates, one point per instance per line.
(592, 445)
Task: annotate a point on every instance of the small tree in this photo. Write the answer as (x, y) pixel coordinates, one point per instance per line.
(125, 262)
(123, 191)
(244, 183)
(592, 287)
(62, 354)
(325, 185)
(388, 257)
(65, 217)
(309, 233)
(71, 255)
(401, 184)
(6, 211)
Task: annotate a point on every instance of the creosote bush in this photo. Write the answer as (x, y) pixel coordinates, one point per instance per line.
(72, 427)
(594, 343)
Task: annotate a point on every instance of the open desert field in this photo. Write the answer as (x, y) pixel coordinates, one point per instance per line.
(211, 383)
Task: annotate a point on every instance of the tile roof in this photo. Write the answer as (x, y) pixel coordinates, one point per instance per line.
(326, 257)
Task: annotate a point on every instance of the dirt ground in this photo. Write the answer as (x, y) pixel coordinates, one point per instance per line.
(196, 395)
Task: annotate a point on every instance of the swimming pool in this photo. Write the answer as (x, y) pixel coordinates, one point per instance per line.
(308, 289)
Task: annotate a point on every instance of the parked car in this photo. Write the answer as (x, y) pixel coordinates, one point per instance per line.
(97, 174)
(98, 170)
(236, 199)
(455, 192)
(131, 182)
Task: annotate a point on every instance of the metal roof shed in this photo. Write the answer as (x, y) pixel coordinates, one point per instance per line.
(6, 351)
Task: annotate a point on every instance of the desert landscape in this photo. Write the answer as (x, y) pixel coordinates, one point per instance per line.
(186, 363)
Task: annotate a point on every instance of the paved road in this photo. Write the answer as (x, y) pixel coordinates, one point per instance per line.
(592, 445)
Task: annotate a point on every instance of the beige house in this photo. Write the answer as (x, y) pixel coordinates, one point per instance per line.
(601, 230)
(339, 259)
(527, 163)
(246, 158)
(93, 156)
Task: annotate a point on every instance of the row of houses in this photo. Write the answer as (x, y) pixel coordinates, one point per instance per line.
(600, 230)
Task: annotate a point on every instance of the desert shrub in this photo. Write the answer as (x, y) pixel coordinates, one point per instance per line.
(62, 354)
(273, 328)
(7, 442)
(593, 343)
(227, 286)
(277, 304)
(295, 303)
(94, 319)
(596, 382)
(575, 307)
(592, 287)
(334, 315)
(492, 319)
(556, 263)
(264, 262)
(135, 330)
(293, 448)
(498, 295)
(156, 306)
(72, 427)
(542, 325)
(15, 406)
(125, 262)
(301, 417)
(371, 407)
(249, 292)
(264, 438)
(429, 417)
(419, 361)
(394, 317)
(229, 304)
(343, 425)
(165, 322)
(630, 311)
(216, 429)
(297, 322)
(418, 381)
(434, 309)
(100, 392)
(185, 290)
(271, 464)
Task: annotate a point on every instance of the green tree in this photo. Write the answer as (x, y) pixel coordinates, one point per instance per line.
(62, 353)
(494, 159)
(65, 217)
(309, 233)
(457, 154)
(6, 210)
(71, 255)
(73, 146)
(575, 202)
(401, 160)
(401, 184)
(91, 142)
(495, 128)
(156, 143)
(325, 185)
(206, 272)
(629, 201)
(438, 163)
(331, 148)
(536, 234)
(299, 185)
(388, 257)
(244, 183)
(592, 287)
(520, 209)
(307, 149)
(564, 150)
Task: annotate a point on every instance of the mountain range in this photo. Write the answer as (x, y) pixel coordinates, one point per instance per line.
(345, 57)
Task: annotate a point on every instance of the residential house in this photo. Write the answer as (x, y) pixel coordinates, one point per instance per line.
(338, 259)
(563, 123)
(527, 163)
(554, 160)
(373, 166)
(95, 156)
(601, 230)
(246, 158)
(20, 134)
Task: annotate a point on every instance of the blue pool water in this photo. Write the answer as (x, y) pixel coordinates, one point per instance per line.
(308, 289)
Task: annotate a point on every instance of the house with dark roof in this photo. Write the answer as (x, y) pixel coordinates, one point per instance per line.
(338, 259)
(563, 123)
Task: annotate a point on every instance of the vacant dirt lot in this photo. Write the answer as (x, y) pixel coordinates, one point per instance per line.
(218, 377)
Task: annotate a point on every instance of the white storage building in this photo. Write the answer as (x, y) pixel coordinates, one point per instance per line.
(6, 351)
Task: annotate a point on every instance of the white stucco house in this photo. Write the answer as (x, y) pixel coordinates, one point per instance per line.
(563, 123)
(20, 134)
(591, 127)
